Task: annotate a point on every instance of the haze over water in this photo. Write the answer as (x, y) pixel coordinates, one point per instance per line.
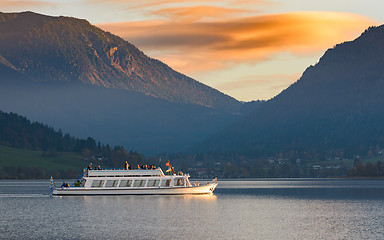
(257, 209)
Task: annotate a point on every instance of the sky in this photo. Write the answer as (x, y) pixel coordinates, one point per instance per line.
(248, 49)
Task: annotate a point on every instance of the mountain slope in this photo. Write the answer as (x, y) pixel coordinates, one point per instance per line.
(335, 106)
(73, 76)
(115, 116)
(64, 49)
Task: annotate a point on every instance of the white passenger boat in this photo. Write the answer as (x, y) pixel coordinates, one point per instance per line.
(133, 182)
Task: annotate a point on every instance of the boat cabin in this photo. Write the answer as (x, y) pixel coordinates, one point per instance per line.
(154, 178)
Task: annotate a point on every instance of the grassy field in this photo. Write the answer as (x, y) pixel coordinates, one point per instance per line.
(373, 160)
(14, 158)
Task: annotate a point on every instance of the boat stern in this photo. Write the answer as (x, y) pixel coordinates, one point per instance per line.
(213, 184)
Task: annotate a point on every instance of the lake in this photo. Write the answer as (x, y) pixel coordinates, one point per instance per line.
(243, 209)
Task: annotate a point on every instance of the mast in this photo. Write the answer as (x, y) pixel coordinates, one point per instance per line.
(170, 167)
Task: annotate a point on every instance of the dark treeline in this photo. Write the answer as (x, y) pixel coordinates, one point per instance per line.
(18, 132)
(367, 170)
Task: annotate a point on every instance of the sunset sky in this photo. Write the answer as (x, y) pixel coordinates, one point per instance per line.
(248, 49)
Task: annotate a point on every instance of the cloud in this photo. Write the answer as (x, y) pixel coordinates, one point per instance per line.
(272, 82)
(196, 13)
(12, 4)
(191, 46)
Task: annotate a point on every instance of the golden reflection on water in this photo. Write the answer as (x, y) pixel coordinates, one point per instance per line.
(149, 199)
(201, 197)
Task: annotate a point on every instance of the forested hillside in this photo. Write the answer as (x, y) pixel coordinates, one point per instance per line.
(34, 150)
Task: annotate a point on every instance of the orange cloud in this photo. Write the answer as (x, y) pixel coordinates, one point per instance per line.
(191, 46)
(196, 13)
(10, 4)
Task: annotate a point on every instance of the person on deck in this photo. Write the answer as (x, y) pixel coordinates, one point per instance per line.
(90, 166)
(77, 183)
(126, 166)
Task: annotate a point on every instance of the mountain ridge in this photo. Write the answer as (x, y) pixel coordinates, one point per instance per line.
(334, 107)
(72, 50)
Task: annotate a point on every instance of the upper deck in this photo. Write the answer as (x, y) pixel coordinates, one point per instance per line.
(125, 173)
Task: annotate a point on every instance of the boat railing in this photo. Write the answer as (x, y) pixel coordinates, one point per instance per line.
(122, 169)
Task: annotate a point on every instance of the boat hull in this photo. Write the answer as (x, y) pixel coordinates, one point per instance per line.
(205, 189)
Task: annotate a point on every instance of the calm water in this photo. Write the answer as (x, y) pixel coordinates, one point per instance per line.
(257, 209)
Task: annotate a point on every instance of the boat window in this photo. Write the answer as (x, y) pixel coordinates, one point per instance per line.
(125, 183)
(179, 182)
(142, 184)
(111, 183)
(166, 183)
(153, 183)
(97, 183)
(162, 183)
(139, 183)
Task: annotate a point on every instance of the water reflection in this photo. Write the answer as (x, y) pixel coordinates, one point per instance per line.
(262, 209)
(306, 189)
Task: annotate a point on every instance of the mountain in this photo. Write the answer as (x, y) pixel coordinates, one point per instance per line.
(76, 77)
(65, 49)
(335, 107)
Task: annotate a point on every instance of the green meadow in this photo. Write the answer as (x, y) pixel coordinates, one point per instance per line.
(20, 163)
